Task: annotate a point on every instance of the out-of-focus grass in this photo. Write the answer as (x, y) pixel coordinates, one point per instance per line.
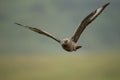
(61, 67)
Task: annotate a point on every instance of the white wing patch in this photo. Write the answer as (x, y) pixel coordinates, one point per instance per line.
(97, 12)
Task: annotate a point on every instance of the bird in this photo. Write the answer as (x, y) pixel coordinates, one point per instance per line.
(70, 44)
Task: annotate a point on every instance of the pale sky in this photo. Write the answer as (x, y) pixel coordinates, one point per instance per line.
(60, 18)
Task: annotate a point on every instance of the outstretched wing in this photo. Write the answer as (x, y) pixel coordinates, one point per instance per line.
(40, 32)
(87, 20)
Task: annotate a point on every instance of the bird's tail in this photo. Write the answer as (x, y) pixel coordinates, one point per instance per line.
(78, 47)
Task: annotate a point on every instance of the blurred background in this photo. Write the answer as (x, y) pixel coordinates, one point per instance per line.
(60, 18)
(26, 55)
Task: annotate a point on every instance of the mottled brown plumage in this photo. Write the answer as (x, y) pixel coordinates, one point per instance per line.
(71, 44)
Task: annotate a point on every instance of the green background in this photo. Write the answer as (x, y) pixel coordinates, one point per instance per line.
(60, 18)
(26, 55)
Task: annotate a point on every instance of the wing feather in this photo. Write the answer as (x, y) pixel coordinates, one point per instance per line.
(40, 32)
(87, 20)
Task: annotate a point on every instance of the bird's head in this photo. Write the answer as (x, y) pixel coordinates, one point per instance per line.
(64, 41)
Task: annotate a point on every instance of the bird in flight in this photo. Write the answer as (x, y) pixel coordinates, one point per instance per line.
(70, 44)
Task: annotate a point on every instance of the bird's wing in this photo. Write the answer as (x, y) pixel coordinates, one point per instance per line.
(87, 20)
(40, 32)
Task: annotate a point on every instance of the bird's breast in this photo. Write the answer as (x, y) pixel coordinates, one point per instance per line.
(66, 47)
(69, 46)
